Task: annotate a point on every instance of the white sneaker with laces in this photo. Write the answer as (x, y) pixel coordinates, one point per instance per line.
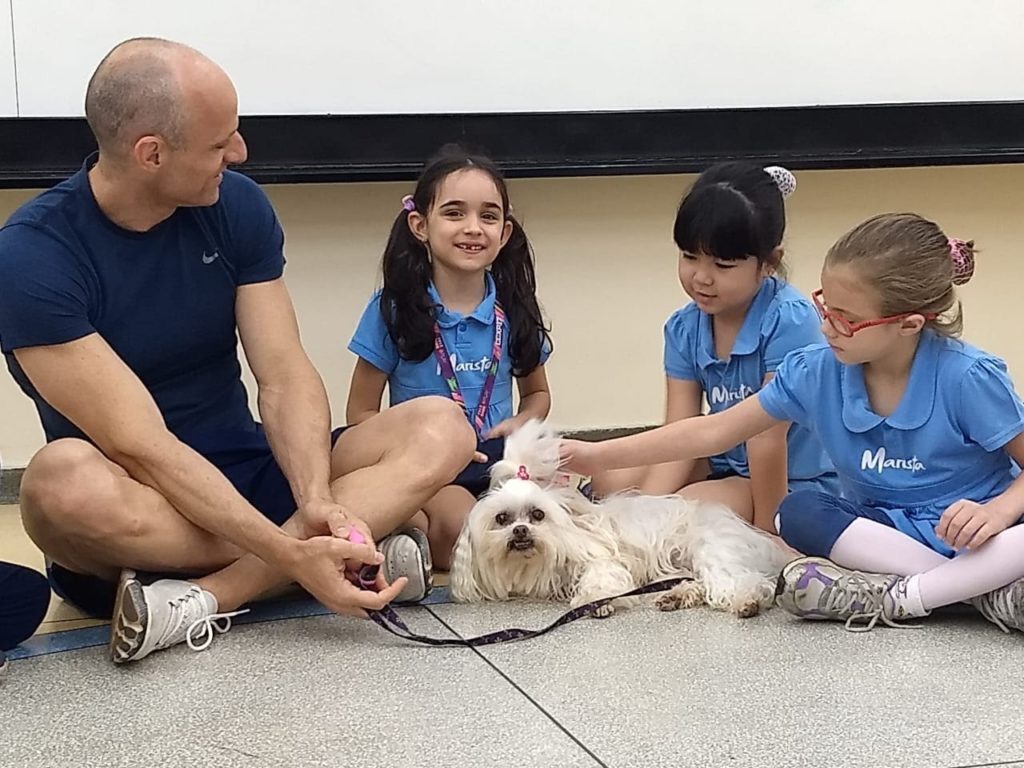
(1004, 607)
(817, 588)
(407, 553)
(164, 613)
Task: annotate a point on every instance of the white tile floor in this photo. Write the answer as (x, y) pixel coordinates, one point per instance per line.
(642, 688)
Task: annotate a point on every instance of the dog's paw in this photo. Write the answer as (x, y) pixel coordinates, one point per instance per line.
(747, 609)
(751, 603)
(689, 594)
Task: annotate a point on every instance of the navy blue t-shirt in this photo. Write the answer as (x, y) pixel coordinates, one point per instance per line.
(164, 300)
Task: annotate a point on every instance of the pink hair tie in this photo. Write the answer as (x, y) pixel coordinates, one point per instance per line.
(408, 204)
(523, 473)
(962, 253)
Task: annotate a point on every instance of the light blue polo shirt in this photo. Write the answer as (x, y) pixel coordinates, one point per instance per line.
(470, 342)
(778, 321)
(942, 443)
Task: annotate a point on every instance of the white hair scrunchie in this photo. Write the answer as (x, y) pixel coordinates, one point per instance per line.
(784, 179)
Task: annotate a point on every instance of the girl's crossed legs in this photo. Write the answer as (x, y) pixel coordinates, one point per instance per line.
(886, 573)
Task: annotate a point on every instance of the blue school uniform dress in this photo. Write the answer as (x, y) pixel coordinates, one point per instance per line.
(943, 443)
(469, 343)
(778, 321)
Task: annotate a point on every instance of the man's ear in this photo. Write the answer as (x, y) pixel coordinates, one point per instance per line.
(149, 152)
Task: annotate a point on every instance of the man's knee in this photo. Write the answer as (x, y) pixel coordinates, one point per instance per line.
(444, 437)
(68, 481)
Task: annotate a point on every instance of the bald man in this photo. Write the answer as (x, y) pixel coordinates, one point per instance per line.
(158, 499)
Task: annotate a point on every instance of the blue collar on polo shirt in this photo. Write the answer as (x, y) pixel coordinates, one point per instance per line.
(484, 312)
(749, 338)
(918, 399)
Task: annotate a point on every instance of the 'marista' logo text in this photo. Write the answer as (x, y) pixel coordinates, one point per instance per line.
(879, 461)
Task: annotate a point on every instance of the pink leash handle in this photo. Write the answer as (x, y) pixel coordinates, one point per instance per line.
(368, 573)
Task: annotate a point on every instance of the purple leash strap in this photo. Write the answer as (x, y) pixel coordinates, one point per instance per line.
(389, 619)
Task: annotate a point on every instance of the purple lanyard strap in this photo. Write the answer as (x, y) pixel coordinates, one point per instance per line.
(444, 361)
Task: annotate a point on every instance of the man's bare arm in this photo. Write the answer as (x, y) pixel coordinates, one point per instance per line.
(91, 386)
(292, 399)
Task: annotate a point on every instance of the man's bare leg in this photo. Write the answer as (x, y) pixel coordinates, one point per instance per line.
(87, 514)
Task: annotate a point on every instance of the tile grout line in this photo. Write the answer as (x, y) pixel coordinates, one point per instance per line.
(528, 697)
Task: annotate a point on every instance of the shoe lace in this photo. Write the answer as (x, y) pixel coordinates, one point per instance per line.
(202, 631)
(994, 606)
(190, 621)
(854, 589)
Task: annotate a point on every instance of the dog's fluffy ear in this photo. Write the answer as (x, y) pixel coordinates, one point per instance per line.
(462, 577)
(534, 446)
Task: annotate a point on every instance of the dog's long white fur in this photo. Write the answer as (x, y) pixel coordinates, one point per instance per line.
(581, 551)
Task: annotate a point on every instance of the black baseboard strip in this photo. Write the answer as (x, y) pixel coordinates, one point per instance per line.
(37, 152)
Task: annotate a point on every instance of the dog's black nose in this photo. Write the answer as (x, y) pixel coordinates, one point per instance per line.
(521, 532)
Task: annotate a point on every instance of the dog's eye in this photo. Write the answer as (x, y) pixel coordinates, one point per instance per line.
(536, 515)
(501, 518)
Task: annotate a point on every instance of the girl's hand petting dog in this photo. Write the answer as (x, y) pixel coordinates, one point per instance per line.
(579, 456)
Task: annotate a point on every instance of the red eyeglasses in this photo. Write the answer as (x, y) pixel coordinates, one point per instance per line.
(844, 327)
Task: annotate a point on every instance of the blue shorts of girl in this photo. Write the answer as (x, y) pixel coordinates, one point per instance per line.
(475, 478)
(811, 522)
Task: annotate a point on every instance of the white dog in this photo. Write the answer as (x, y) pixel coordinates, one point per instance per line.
(529, 537)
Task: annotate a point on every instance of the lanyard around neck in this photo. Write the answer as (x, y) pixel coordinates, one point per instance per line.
(444, 361)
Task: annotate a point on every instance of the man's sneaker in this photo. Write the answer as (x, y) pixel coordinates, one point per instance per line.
(407, 553)
(1004, 607)
(818, 589)
(162, 614)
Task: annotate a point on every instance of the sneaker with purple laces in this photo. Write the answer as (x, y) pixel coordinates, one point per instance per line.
(1004, 607)
(818, 589)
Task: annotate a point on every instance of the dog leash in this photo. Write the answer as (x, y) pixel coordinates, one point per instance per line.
(389, 619)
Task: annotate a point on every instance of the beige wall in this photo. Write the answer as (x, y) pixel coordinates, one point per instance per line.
(606, 270)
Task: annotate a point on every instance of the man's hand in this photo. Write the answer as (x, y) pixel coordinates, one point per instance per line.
(319, 565)
(580, 457)
(967, 524)
(322, 517)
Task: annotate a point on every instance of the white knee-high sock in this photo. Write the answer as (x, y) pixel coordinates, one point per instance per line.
(875, 548)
